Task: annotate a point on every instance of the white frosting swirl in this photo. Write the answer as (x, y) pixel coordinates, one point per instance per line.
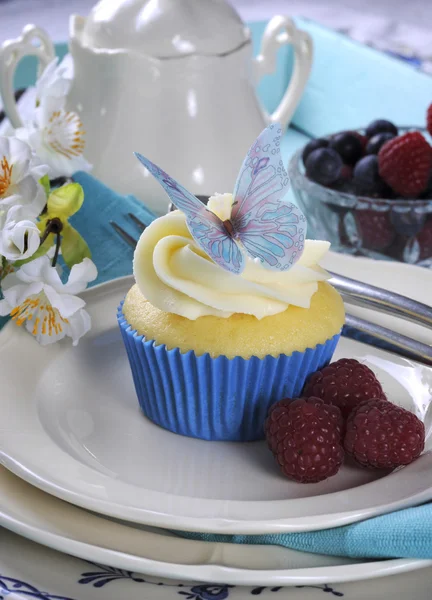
(176, 276)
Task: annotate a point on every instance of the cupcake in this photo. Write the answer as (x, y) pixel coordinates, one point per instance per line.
(213, 346)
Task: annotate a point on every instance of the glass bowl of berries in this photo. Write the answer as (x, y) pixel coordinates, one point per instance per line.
(369, 192)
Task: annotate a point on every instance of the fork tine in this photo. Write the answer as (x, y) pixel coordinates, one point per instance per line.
(122, 233)
(137, 221)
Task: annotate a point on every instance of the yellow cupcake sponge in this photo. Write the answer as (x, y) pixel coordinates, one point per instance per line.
(243, 335)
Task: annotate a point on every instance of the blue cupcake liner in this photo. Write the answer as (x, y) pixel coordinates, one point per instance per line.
(215, 398)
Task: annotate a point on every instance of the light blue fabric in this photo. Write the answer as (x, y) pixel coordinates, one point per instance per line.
(403, 534)
(110, 253)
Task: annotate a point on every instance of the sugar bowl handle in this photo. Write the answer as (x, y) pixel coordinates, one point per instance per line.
(33, 41)
(281, 31)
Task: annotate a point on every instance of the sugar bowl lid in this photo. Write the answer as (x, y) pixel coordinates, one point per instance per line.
(165, 28)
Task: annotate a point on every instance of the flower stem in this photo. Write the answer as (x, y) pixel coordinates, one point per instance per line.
(57, 250)
(3, 268)
(45, 235)
(3, 272)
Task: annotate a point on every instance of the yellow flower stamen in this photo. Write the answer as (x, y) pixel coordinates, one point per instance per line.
(36, 326)
(51, 322)
(65, 134)
(5, 175)
(21, 313)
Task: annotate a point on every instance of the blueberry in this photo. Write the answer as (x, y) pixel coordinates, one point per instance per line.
(348, 146)
(381, 126)
(313, 145)
(376, 142)
(367, 177)
(324, 166)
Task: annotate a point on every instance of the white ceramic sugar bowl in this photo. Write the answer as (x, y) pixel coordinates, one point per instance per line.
(174, 80)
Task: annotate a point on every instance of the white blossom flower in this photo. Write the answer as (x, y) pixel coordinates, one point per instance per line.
(20, 172)
(57, 138)
(18, 239)
(54, 83)
(35, 296)
(55, 134)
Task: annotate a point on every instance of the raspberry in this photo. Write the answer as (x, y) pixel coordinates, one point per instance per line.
(305, 436)
(429, 119)
(374, 229)
(380, 435)
(405, 163)
(345, 383)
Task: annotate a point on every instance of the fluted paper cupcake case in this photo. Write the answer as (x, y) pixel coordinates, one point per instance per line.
(215, 398)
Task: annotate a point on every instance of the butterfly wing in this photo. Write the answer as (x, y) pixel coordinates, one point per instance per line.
(209, 232)
(206, 228)
(276, 235)
(269, 228)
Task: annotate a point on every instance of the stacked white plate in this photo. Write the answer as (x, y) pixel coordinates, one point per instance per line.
(85, 473)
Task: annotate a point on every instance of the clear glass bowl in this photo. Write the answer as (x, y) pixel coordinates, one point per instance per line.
(378, 228)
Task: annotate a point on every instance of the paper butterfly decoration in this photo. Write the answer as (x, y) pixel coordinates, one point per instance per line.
(260, 223)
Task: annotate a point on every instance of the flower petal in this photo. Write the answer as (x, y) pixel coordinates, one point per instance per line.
(81, 274)
(20, 155)
(4, 146)
(32, 196)
(40, 252)
(17, 294)
(66, 304)
(65, 201)
(79, 325)
(74, 247)
(19, 239)
(5, 308)
(54, 82)
(46, 324)
(34, 270)
(51, 277)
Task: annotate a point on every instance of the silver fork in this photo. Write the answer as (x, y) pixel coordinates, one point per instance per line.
(359, 293)
(124, 234)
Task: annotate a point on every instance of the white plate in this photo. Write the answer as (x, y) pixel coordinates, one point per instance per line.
(28, 570)
(44, 519)
(71, 426)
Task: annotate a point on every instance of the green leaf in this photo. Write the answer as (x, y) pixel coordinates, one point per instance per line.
(73, 246)
(42, 223)
(65, 201)
(41, 251)
(45, 183)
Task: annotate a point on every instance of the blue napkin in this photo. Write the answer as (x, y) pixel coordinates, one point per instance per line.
(402, 534)
(110, 253)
